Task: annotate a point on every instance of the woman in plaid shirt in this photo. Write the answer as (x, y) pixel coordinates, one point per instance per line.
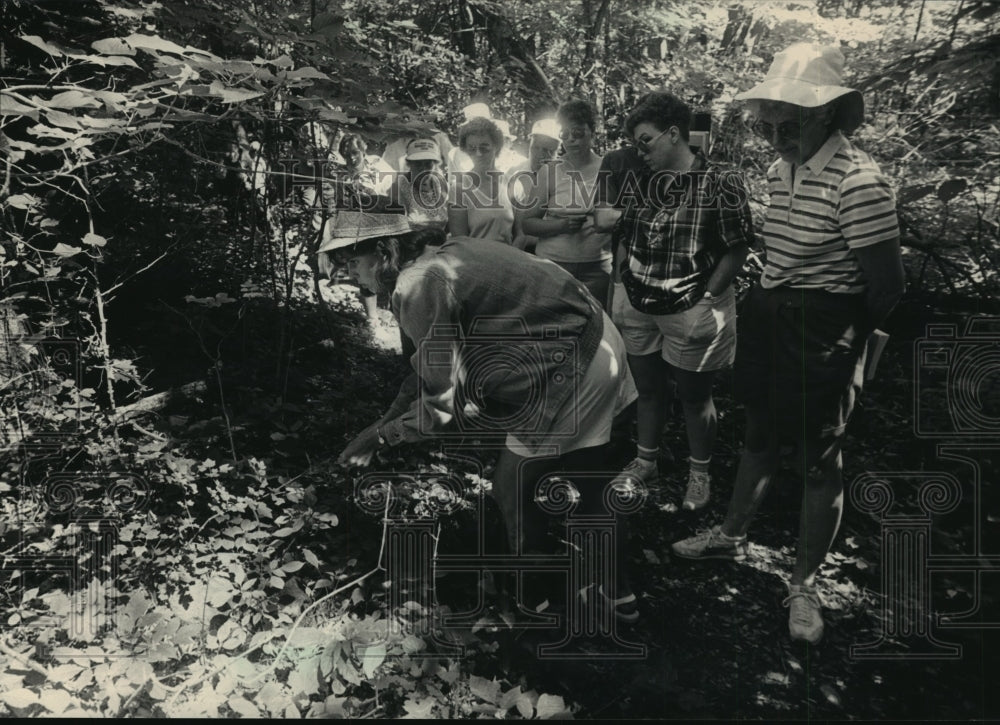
(678, 253)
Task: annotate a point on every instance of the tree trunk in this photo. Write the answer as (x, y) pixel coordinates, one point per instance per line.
(507, 43)
(590, 41)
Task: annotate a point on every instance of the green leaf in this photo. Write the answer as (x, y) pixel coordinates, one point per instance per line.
(73, 99)
(11, 107)
(282, 62)
(219, 591)
(273, 697)
(64, 250)
(510, 698)
(113, 46)
(39, 43)
(55, 701)
(292, 566)
(412, 644)
(525, 707)
(550, 706)
(22, 201)
(371, 659)
(231, 635)
(304, 679)
(243, 707)
(94, 240)
(488, 690)
(64, 673)
(138, 672)
(60, 118)
(229, 94)
(20, 698)
(308, 72)
(151, 43)
(419, 707)
(108, 60)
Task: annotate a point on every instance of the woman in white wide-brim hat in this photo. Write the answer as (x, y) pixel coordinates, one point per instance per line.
(833, 275)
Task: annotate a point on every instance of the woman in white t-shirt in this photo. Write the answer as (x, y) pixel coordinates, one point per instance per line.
(480, 199)
(561, 212)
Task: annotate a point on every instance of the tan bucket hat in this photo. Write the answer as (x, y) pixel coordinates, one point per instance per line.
(810, 75)
(351, 227)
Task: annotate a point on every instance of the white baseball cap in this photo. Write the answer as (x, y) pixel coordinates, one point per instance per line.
(546, 127)
(423, 149)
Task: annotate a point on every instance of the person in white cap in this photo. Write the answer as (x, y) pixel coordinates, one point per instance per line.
(422, 189)
(543, 144)
(395, 150)
(508, 159)
(833, 274)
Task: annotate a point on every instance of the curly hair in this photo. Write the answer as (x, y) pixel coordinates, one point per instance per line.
(483, 126)
(350, 139)
(577, 112)
(663, 110)
(395, 251)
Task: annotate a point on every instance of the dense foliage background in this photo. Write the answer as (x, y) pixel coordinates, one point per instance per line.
(155, 241)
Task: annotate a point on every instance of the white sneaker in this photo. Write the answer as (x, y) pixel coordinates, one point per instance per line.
(712, 544)
(638, 471)
(699, 490)
(805, 619)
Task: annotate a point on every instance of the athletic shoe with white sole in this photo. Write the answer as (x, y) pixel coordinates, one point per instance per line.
(805, 618)
(711, 544)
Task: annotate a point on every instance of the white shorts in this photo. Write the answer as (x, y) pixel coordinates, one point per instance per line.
(699, 339)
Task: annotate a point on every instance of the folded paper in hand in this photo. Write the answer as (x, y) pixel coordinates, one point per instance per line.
(876, 344)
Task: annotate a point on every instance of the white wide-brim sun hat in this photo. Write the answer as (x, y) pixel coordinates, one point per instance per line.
(810, 75)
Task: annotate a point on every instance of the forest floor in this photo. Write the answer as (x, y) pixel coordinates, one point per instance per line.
(713, 635)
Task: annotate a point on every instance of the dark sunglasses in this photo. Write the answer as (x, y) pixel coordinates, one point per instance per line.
(786, 130)
(572, 133)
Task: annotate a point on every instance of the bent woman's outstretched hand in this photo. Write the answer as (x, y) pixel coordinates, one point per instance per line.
(359, 451)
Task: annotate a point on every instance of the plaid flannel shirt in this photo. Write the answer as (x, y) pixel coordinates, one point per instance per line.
(674, 241)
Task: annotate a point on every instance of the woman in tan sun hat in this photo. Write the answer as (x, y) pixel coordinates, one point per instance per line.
(529, 361)
(833, 275)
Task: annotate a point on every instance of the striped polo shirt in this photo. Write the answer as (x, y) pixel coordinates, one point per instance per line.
(840, 201)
